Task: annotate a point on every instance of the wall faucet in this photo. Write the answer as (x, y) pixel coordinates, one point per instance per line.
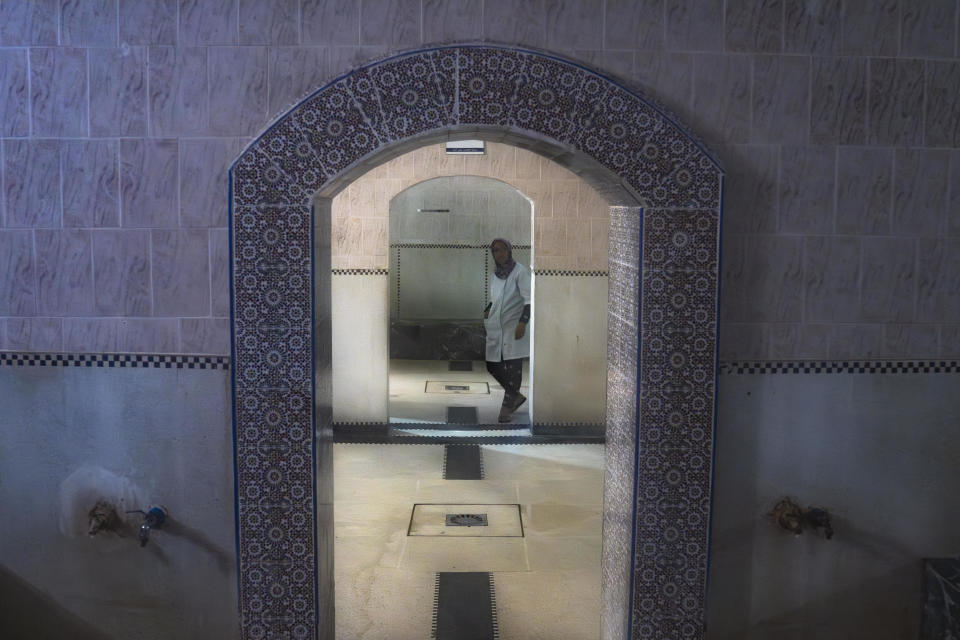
(152, 519)
(793, 518)
(103, 517)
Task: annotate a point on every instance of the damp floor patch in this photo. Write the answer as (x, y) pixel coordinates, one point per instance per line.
(461, 365)
(462, 415)
(462, 462)
(464, 607)
(457, 387)
(466, 521)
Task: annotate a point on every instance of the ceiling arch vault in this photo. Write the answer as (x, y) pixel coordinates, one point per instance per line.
(664, 242)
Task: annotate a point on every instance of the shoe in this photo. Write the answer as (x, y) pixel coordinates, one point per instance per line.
(514, 402)
(505, 413)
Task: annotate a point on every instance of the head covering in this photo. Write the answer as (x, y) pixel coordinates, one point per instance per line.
(503, 270)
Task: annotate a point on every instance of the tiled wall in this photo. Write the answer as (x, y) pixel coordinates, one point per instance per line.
(876, 450)
(570, 233)
(440, 231)
(477, 211)
(132, 432)
(837, 122)
(570, 218)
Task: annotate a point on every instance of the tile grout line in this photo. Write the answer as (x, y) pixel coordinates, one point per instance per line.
(148, 111)
(209, 274)
(119, 175)
(86, 58)
(3, 185)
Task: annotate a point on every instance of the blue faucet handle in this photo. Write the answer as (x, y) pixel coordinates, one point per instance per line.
(155, 517)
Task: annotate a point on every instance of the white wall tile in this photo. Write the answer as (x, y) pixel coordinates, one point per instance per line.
(569, 349)
(360, 348)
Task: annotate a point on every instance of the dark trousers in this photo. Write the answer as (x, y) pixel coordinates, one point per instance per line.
(508, 373)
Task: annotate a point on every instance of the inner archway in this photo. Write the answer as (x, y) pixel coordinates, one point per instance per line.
(439, 235)
(661, 331)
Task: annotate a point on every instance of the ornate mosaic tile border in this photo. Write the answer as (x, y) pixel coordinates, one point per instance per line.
(553, 104)
(112, 360)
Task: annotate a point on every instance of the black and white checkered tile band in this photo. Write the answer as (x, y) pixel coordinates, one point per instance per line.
(751, 367)
(427, 245)
(558, 272)
(113, 360)
(839, 366)
(360, 272)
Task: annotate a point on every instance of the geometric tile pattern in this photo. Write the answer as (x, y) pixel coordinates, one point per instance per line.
(359, 272)
(620, 460)
(484, 90)
(678, 330)
(113, 360)
(423, 245)
(838, 366)
(561, 272)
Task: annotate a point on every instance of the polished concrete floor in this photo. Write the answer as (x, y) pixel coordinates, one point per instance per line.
(412, 400)
(547, 583)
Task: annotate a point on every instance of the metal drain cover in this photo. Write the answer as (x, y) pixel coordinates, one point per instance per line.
(466, 519)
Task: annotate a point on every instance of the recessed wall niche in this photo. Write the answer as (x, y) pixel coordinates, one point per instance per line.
(570, 230)
(440, 231)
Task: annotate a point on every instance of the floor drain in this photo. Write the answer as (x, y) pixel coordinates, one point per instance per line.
(466, 519)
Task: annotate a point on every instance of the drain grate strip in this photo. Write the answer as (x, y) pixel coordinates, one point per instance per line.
(462, 415)
(462, 462)
(464, 607)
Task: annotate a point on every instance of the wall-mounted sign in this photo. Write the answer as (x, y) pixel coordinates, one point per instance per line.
(465, 147)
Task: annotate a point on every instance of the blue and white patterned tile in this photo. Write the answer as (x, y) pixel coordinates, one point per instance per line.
(542, 97)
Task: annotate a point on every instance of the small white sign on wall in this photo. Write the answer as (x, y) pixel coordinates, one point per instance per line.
(468, 147)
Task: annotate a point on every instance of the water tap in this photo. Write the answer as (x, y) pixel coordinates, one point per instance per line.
(793, 518)
(152, 519)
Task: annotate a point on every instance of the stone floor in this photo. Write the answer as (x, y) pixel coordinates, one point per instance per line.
(547, 583)
(410, 401)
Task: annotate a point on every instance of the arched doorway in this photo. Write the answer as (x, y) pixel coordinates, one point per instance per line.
(662, 313)
(438, 233)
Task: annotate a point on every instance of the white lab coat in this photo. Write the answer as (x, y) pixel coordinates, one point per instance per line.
(509, 297)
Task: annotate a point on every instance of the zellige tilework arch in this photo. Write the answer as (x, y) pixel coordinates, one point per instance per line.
(668, 277)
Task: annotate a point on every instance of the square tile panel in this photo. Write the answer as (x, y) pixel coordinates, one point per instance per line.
(503, 520)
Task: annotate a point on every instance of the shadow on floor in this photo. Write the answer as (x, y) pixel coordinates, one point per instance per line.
(26, 613)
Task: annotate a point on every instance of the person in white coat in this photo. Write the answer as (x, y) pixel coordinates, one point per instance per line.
(506, 319)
